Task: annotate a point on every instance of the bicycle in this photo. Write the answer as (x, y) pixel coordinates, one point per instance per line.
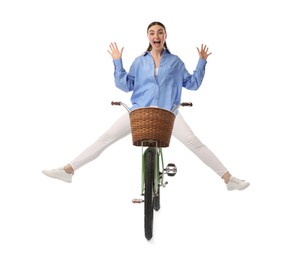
(151, 127)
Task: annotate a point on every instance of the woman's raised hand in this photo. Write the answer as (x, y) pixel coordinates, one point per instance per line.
(203, 52)
(114, 51)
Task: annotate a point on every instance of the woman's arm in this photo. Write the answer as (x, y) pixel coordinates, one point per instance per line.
(194, 81)
(123, 80)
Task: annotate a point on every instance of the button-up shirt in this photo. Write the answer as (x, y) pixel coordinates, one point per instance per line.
(162, 90)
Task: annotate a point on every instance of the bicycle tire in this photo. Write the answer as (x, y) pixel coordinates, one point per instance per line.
(148, 193)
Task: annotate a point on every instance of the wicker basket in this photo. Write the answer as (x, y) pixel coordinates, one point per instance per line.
(151, 126)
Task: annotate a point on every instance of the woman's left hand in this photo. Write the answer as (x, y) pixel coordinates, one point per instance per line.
(203, 52)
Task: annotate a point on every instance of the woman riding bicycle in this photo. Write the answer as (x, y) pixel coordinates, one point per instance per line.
(155, 78)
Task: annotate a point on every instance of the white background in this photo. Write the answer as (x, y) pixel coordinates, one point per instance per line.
(56, 85)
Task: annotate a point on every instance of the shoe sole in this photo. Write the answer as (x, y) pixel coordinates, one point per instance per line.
(58, 178)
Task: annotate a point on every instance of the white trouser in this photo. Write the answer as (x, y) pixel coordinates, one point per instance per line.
(121, 128)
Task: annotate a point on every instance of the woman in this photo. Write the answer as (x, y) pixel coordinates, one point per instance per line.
(155, 78)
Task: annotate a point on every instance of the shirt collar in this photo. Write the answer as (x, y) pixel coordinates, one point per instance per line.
(148, 53)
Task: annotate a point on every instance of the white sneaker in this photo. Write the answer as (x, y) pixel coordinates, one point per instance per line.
(236, 184)
(59, 173)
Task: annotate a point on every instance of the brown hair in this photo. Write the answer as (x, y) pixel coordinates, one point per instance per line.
(160, 24)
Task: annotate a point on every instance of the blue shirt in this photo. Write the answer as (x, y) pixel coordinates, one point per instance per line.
(163, 91)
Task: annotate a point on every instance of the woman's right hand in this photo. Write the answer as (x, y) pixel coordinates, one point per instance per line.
(114, 51)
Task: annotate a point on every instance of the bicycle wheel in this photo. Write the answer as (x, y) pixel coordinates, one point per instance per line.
(148, 193)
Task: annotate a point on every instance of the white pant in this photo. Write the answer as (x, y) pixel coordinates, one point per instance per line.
(121, 128)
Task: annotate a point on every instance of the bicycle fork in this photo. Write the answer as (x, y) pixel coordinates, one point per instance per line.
(159, 171)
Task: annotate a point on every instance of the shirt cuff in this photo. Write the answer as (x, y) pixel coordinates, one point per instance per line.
(118, 64)
(201, 63)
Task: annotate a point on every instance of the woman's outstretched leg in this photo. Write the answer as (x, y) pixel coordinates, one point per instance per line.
(117, 131)
(185, 135)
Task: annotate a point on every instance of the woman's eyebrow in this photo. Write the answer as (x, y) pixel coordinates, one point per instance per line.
(154, 31)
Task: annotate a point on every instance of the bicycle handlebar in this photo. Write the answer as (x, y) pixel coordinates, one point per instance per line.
(183, 104)
(186, 104)
(113, 103)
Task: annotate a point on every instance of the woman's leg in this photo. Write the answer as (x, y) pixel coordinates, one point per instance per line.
(185, 135)
(118, 130)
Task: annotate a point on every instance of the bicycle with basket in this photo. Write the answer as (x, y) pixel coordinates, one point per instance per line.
(151, 128)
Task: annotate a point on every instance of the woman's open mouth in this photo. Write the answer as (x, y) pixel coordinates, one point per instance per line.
(157, 43)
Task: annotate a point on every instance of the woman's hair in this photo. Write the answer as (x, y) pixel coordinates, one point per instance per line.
(160, 24)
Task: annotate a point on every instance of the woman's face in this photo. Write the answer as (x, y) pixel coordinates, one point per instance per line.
(157, 37)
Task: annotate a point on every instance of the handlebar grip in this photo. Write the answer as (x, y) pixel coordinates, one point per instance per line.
(113, 103)
(186, 104)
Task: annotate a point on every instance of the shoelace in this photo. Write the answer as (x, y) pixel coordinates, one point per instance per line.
(235, 180)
